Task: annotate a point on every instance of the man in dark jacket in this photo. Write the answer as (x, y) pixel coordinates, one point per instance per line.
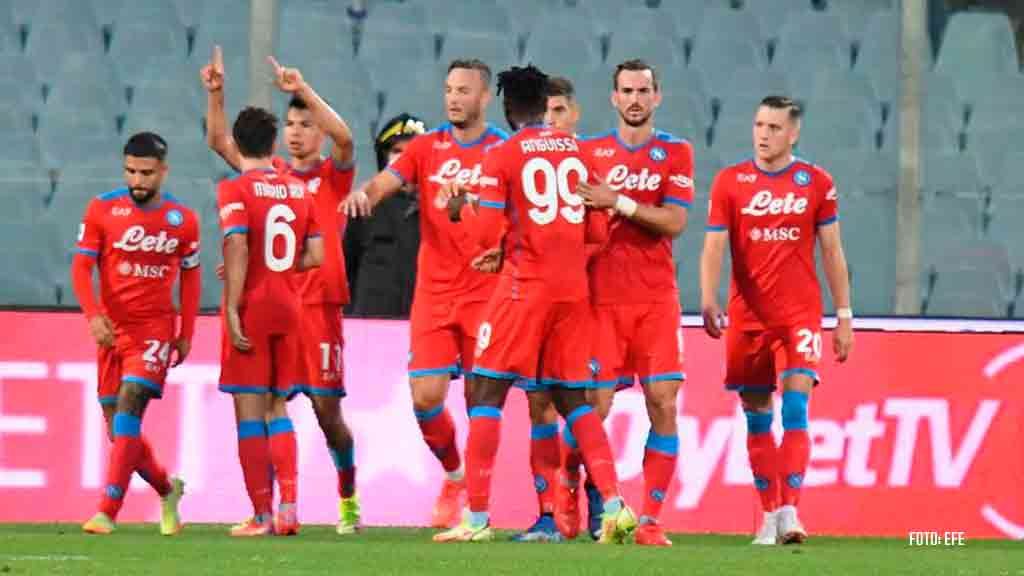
(380, 252)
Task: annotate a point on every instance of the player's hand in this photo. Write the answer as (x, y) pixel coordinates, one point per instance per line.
(597, 195)
(842, 339)
(212, 74)
(238, 339)
(102, 330)
(356, 205)
(182, 346)
(220, 271)
(287, 79)
(489, 261)
(714, 320)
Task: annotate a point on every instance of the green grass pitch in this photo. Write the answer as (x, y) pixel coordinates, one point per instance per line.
(205, 549)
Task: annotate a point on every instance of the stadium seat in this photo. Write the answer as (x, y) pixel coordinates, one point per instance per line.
(949, 173)
(971, 279)
(856, 15)
(306, 32)
(483, 17)
(84, 156)
(732, 139)
(21, 69)
(991, 148)
(720, 22)
(31, 285)
(50, 42)
(869, 240)
(740, 92)
(10, 39)
(841, 83)
(135, 47)
(772, 17)
(181, 123)
(563, 47)
(115, 13)
(634, 24)
(977, 47)
(87, 81)
(1011, 181)
(947, 220)
(837, 124)
(422, 95)
(396, 16)
(23, 200)
(686, 15)
(21, 157)
(15, 118)
(878, 57)
(499, 52)
(390, 57)
(802, 56)
(998, 112)
(225, 24)
(660, 51)
(1005, 216)
(724, 61)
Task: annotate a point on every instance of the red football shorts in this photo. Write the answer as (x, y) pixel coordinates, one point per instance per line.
(442, 334)
(273, 365)
(321, 362)
(140, 354)
(540, 345)
(756, 359)
(638, 341)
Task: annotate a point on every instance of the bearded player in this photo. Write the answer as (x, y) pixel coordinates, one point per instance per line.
(450, 294)
(142, 239)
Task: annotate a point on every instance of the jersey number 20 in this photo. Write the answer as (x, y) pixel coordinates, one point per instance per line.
(555, 190)
(279, 218)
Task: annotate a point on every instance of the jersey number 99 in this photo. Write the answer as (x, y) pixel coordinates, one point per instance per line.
(554, 190)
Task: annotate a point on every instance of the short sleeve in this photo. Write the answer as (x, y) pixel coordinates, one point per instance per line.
(406, 165)
(313, 222)
(718, 210)
(828, 205)
(679, 190)
(341, 177)
(234, 218)
(189, 249)
(493, 186)
(90, 231)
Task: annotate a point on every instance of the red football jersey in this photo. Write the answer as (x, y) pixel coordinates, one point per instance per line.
(446, 248)
(636, 266)
(139, 252)
(277, 215)
(329, 183)
(527, 193)
(772, 220)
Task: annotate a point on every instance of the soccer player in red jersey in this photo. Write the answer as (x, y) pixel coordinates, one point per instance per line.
(325, 289)
(142, 239)
(648, 182)
(450, 295)
(270, 234)
(771, 210)
(535, 329)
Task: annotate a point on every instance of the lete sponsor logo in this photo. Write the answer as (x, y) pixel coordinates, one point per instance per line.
(135, 239)
(452, 170)
(620, 178)
(764, 203)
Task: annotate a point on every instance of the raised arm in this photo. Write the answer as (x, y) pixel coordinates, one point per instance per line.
(218, 137)
(290, 81)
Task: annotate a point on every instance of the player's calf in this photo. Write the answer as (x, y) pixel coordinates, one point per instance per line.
(661, 451)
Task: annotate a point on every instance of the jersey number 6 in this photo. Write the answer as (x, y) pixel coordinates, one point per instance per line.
(278, 219)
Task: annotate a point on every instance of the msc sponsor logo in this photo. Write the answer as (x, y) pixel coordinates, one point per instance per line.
(783, 234)
(136, 270)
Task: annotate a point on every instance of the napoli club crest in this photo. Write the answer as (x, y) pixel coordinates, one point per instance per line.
(802, 178)
(658, 154)
(174, 218)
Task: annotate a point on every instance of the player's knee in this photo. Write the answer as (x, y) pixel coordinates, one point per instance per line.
(601, 400)
(661, 404)
(428, 392)
(794, 410)
(542, 410)
(132, 398)
(756, 401)
(489, 392)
